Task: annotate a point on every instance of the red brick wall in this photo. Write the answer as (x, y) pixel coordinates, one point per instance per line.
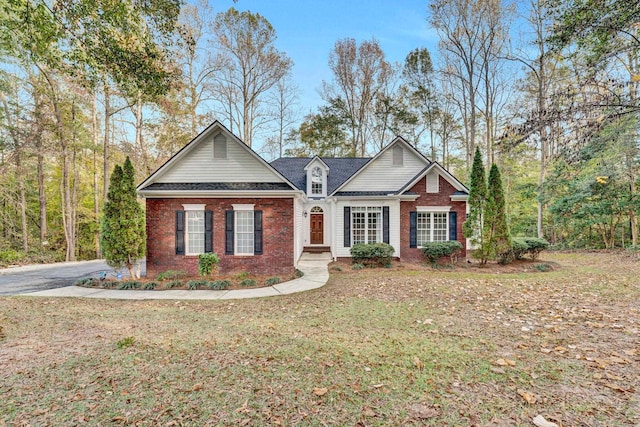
(428, 199)
(277, 223)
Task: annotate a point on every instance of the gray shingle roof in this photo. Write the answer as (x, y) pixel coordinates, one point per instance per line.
(340, 169)
(219, 186)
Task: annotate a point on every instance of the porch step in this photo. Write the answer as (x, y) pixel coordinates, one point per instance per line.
(316, 256)
(316, 249)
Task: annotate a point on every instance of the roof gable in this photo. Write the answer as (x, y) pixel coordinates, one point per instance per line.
(195, 163)
(380, 174)
(435, 167)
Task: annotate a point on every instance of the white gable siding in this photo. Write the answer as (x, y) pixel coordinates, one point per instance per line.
(382, 175)
(199, 166)
(394, 224)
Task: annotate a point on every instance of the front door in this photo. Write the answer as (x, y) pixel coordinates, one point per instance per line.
(317, 229)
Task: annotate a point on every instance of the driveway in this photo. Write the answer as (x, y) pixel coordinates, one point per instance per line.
(40, 277)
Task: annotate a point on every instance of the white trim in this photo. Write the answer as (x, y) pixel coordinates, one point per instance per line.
(435, 186)
(186, 194)
(442, 172)
(186, 228)
(235, 230)
(431, 226)
(433, 208)
(243, 207)
(459, 197)
(188, 207)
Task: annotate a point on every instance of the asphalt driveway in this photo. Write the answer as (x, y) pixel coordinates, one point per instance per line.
(40, 277)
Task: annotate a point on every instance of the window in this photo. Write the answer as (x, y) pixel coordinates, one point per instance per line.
(316, 181)
(244, 232)
(432, 227)
(366, 224)
(220, 147)
(398, 156)
(195, 232)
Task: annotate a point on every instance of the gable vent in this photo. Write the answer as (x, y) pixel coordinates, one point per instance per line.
(398, 154)
(220, 147)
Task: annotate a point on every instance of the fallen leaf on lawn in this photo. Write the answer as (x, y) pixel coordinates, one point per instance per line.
(197, 387)
(498, 371)
(545, 350)
(615, 387)
(528, 397)
(368, 412)
(619, 360)
(418, 410)
(243, 408)
(539, 421)
(320, 391)
(505, 362)
(631, 352)
(418, 363)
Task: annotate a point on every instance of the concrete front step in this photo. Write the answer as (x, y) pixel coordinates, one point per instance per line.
(323, 256)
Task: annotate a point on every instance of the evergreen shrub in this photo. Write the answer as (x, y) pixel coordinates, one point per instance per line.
(433, 251)
(372, 253)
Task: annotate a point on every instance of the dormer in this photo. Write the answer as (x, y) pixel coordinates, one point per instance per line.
(317, 173)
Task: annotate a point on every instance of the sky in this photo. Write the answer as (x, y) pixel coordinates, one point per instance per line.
(307, 31)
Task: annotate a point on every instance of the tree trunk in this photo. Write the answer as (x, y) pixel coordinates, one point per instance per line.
(105, 155)
(96, 190)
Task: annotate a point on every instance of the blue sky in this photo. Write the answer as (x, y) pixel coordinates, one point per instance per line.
(307, 31)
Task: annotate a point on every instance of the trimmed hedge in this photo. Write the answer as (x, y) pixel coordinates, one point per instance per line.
(372, 253)
(528, 245)
(433, 251)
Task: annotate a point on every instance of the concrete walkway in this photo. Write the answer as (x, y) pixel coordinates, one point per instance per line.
(314, 267)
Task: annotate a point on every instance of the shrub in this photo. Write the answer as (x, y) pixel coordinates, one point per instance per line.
(298, 273)
(535, 246)
(171, 275)
(336, 268)
(357, 266)
(272, 281)
(192, 285)
(372, 253)
(248, 282)
(519, 247)
(149, 286)
(218, 285)
(207, 263)
(242, 275)
(542, 267)
(173, 284)
(433, 251)
(87, 282)
(10, 256)
(129, 284)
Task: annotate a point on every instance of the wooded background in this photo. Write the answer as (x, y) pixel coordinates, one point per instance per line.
(85, 83)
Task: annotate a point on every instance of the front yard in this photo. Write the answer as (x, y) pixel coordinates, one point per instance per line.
(372, 347)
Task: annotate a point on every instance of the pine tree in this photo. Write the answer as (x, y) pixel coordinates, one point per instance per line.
(497, 239)
(473, 227)
(123, 222)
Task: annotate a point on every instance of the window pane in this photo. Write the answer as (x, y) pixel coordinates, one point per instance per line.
(244, 232)
(358, 225)
(423, 229)
(439, 227)
(374, 227)
(195, 232)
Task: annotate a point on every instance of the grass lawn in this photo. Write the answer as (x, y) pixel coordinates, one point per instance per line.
(373, 347)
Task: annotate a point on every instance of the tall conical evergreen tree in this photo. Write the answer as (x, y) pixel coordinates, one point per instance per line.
(497, 238)
(123, 222)
(473, 227)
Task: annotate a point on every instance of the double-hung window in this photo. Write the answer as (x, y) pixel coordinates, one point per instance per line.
(194, 232)
(366, 224)
(432, 227)
(244, 232)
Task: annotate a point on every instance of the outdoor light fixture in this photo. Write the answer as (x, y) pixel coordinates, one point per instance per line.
(304, 214)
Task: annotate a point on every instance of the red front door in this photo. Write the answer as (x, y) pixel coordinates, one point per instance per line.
(317, 229)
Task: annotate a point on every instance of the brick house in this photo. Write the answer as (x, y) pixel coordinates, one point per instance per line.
(218, 195)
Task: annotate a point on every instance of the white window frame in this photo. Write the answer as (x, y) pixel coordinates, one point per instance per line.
(430, 211)
(321, 183)
(190, 209)
(244, 209)
(367, 210)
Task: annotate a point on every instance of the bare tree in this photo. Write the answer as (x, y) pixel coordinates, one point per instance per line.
(245, 43)
(283, 100)
(360, 74)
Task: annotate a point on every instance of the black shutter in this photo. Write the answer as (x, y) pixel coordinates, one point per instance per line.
(453, 226)
(257, 232)
(228, 232)
(413, 229)
(208, 231)
(347, 226)
(179, 232)
(385, 224)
